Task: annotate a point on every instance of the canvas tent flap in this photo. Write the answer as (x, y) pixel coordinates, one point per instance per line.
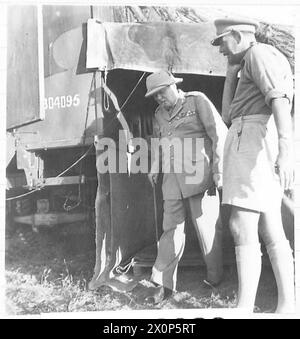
(148, 47)
(96, 55)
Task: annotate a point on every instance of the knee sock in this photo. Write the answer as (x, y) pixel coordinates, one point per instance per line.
(248, 259)
(282, 262)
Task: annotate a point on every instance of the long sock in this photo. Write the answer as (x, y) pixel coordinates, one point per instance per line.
(282, 262)
(248, 258)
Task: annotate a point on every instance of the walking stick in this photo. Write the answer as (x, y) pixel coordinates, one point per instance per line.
(155, 214)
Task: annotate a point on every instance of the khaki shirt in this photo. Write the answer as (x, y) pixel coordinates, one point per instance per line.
(265, 74)
(195, 118)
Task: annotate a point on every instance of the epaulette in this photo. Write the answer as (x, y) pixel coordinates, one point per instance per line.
(193, 93)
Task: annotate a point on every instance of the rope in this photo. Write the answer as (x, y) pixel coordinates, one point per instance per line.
(62, 173)
(124, 269)
(76, 162)
(69, 208)
(23, 195)
(106, 97)
(125, 102)
(135, 87)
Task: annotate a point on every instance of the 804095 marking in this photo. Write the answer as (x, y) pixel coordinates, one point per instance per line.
(170, 328)
(62, 101)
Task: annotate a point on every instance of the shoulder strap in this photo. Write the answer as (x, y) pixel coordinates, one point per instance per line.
(197, 109)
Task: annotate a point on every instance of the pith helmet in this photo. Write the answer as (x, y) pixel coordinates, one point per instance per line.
(156, 81)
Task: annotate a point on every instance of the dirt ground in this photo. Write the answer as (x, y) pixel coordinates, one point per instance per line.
(49, 271)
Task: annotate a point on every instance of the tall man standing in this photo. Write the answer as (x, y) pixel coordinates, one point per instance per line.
(257, 157)
(192, 136)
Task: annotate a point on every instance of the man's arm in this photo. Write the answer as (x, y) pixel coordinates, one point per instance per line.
(155, 154)
(281, 109)
(272, 74)
(229, 90)
(216, 131)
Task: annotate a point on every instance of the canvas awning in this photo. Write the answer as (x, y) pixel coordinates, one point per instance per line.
(151, 46)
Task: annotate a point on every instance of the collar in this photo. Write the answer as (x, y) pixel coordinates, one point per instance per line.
(254, 43)
(179, 104)
(180, 99)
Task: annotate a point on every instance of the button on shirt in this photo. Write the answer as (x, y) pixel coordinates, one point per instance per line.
(265, 75)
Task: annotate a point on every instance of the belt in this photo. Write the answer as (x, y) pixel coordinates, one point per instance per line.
(262, 118)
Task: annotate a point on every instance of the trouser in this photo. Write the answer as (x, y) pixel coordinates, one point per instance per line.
(172, 242)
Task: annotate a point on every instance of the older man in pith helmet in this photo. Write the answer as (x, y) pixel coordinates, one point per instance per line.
(258, 156)
(192, 135)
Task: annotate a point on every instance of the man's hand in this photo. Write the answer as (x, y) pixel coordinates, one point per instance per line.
(232, 70)
(218, 180)
(284, 165)
(153, 178)
(286, 173)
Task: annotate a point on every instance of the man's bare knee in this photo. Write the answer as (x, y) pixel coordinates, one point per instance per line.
(243, 225)
(271, 228)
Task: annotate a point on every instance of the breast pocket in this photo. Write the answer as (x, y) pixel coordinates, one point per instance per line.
(188, 118)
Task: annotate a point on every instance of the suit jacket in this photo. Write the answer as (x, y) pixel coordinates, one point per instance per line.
(192, 138)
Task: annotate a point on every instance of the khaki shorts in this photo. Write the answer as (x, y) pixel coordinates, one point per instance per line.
(249, 177)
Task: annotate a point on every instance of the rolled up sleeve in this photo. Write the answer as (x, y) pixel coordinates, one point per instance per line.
(275, 94)
(271, 72)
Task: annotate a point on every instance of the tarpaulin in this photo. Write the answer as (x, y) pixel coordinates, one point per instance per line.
(180, 47)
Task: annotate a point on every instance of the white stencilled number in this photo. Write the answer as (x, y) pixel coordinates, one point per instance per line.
(57, 102)
(69, 100)
(50, 102)
(76, 100)
(62, 101)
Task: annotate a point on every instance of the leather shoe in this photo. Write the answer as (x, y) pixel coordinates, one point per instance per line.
(158, 294)
(209, 284)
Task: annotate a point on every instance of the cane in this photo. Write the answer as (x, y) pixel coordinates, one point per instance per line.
(155, 213)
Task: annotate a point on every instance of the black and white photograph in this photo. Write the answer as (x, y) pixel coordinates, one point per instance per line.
(150, 159)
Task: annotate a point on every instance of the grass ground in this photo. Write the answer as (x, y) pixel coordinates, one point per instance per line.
(50, 271)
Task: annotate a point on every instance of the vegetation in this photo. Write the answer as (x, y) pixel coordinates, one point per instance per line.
(282, 37)
(49, 272)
